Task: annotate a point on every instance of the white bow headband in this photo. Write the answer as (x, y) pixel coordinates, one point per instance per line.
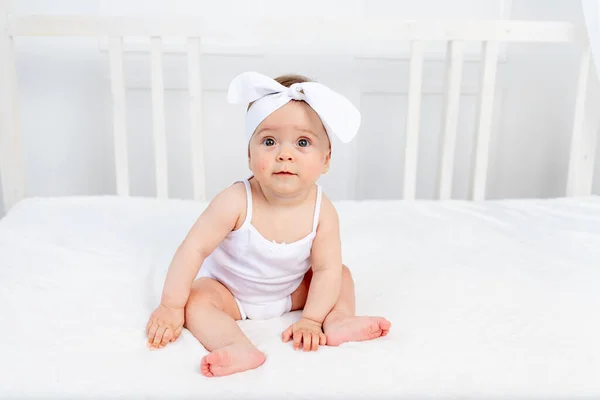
(338, 114)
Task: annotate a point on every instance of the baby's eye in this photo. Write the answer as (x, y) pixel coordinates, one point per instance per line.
(268, 141)
(303, 143)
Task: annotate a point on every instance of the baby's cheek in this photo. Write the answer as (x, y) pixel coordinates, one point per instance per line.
(315, 167)
(258, 164)
(261, 165)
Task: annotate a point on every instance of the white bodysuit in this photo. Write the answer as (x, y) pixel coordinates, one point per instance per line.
(261, 274)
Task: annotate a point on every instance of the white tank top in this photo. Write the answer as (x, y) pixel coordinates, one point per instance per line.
(257, 270)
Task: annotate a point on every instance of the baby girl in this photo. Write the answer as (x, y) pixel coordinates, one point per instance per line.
(269, 244)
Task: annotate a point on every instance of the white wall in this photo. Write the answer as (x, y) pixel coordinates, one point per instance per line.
(66, 109)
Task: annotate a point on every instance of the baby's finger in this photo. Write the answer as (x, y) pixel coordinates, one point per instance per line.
(167, 336)
(306, 338)
(159, 334)
(177, 333)
(322, 339)
(297, 340)
(152, 332)
(287, 334)
(315, 341)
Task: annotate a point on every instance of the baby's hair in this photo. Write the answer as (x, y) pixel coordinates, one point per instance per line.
(288, 80)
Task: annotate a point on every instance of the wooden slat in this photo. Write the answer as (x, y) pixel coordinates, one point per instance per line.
(196, 110)
(454, 69)
(307, 29)
(12, 167)
(583, 141)
(115, 45)
(484, 121)
(158, 118)
(413, 119)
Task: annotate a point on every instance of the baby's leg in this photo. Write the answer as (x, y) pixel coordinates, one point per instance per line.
(210, 314)
(341, 324)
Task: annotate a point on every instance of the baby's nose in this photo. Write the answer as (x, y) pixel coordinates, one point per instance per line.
(285, 156)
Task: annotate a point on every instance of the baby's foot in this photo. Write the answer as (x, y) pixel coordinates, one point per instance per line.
(231, 359)
(355, 329)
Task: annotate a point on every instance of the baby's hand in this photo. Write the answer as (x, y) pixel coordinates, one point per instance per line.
(165, 325)
(305, 333)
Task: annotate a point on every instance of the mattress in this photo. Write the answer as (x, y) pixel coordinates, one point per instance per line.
(487, 299)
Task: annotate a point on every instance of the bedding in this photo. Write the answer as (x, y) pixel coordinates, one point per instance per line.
(487, 299)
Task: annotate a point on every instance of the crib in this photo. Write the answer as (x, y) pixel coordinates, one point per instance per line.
(488, 298)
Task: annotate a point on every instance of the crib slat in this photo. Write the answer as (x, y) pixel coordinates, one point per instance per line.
(115, 47)
(484, 120)
(158, 118)
(413, 119)
(195, 87)
(583, 141)
(454, 68)
(12, 167)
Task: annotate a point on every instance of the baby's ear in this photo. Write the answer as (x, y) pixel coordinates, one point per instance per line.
(327, 162)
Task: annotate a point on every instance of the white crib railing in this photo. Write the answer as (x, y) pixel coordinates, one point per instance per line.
(304, 31)
(583, 142)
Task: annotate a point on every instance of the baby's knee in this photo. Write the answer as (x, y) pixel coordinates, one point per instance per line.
(199, 300)
(346, 271)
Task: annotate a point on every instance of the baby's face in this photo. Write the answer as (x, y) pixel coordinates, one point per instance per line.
(289, 149)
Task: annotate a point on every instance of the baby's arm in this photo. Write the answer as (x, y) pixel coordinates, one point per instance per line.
(325, 285)
(220, 217)
(326, 257)
(211, 228)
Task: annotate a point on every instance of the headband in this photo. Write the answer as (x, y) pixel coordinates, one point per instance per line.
(338, 114)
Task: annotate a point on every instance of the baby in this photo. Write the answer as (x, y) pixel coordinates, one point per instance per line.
(269, 244)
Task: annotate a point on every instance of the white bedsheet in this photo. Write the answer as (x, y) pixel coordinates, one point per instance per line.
(496, 299)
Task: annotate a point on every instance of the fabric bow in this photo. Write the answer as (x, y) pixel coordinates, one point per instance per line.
(338, 114)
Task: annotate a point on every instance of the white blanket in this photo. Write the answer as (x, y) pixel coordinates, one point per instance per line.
(495, 299)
